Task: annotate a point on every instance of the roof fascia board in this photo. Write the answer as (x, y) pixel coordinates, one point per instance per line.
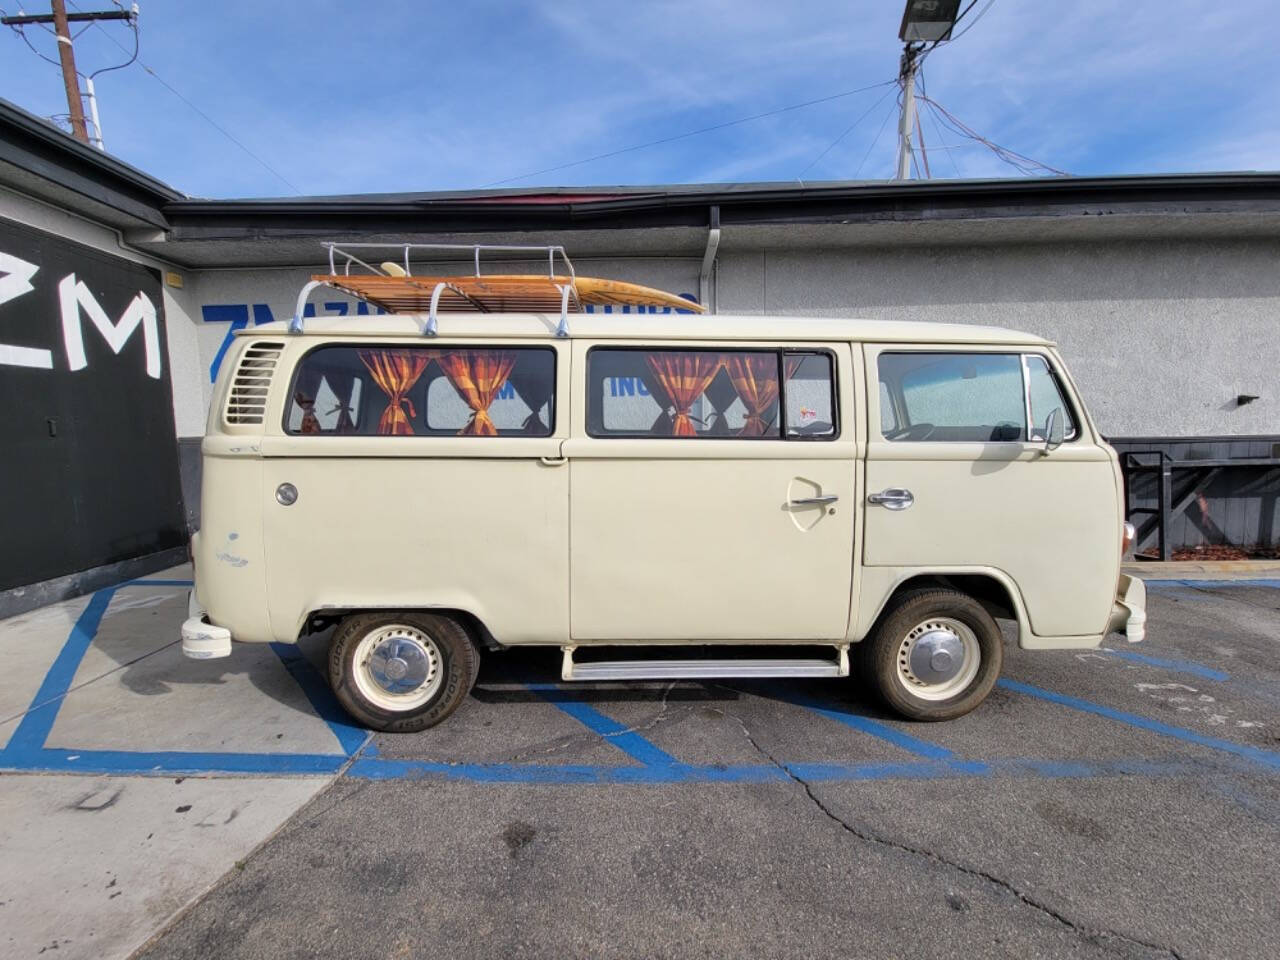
(750, 203)
(44, 151)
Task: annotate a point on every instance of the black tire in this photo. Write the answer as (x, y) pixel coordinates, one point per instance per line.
(882, 649)
(459, 662)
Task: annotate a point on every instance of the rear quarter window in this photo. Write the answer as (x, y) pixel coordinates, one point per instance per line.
(381, 390)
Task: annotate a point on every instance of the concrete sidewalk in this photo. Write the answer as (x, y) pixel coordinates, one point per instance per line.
(1204, 570)
(110, 822)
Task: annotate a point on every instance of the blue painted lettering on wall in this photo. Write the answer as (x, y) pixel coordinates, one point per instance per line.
(627, 387)
(628, 308)
(236, 316)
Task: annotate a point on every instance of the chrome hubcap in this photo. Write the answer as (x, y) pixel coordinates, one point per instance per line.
(398, 667)
(938, 658)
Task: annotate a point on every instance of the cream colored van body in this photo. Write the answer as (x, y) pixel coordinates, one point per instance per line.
(573, 540)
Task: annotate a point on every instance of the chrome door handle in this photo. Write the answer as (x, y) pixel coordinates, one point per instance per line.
(895, 498)
(815, 501)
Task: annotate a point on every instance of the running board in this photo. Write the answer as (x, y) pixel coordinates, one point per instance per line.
(740, 667)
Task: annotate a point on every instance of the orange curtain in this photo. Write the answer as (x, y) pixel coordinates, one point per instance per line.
(755, 377)
(395, 372)
(478, 375)
(684, 377)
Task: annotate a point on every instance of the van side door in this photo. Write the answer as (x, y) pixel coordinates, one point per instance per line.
(713, 491)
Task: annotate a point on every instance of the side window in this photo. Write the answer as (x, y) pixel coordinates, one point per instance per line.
(1045, 396)
(967, 397)
(888, 419)
(408, 391)
(729, 394)
(810, 393)
(682, 393)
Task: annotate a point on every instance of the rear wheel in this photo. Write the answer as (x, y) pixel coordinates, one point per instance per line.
(401, 672)
(935, 656)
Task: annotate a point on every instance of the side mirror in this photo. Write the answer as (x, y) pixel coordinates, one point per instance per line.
(1054, 430)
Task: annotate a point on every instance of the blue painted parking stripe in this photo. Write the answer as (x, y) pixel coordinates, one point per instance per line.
(374, 769)
(882, 731)
(62, 760)
(38, 721)
(1178, 666)
(628, 741)
(927, 770)
(1266, 758)
(168, 763)
(539, 773)
(350, 737)
(157, 583)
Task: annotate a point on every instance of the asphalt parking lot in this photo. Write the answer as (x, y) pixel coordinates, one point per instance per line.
(1117, 803)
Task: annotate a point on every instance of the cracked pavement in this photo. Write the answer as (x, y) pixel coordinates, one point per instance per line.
(1105, 863)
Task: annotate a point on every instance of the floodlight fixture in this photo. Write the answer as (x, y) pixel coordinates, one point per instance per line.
(928, 20)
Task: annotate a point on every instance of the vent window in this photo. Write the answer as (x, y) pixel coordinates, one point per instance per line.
(247, 401)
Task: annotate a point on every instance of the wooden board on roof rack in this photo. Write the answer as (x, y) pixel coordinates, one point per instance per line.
(501, 293)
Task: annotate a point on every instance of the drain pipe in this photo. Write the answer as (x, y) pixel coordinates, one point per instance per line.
(706, 286)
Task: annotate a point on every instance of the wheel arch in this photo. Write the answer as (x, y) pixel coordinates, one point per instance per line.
(992, 588)
(322, 619)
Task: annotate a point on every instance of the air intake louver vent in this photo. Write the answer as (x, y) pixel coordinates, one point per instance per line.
(247, 401)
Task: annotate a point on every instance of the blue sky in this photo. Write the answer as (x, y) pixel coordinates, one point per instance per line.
(342, 97)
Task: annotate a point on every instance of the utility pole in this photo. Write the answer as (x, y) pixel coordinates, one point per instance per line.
(67, 55)
(907, 122)
(923, 22)
(61, 21)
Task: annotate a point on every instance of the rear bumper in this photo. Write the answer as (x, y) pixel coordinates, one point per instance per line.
(201, 640)
(1129, 612)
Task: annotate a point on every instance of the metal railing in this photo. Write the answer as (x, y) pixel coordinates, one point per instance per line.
(342, 253)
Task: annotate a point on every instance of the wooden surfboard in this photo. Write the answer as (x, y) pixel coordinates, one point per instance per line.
(502, 293)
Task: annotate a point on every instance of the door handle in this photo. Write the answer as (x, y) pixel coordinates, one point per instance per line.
(814, 501)
(553, 461)
(895, 498)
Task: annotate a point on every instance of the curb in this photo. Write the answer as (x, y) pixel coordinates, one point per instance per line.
(1204, 570)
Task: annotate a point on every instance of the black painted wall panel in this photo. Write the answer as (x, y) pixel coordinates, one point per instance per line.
(1241, 505)
(88, 457)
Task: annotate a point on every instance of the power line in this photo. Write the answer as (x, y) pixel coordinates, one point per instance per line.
(133, 23)
(924, 90)
(1021, 162)
(848, 130)
(23, 34)
(883, 124)
(208, 119)
(924, 151)
(982, 13)
(691, 133)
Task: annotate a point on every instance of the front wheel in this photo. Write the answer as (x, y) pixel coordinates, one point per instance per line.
(935, 656)
(401, 672)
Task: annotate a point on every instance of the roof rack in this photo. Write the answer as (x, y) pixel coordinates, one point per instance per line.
(393, 287)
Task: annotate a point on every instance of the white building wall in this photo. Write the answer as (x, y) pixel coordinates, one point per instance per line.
(1160, 336)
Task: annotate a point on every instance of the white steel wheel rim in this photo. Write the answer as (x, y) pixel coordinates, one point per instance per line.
(397, 667)
(921, 646)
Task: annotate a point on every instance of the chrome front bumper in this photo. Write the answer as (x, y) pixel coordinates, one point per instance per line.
(1129, 612)
(201, 640)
